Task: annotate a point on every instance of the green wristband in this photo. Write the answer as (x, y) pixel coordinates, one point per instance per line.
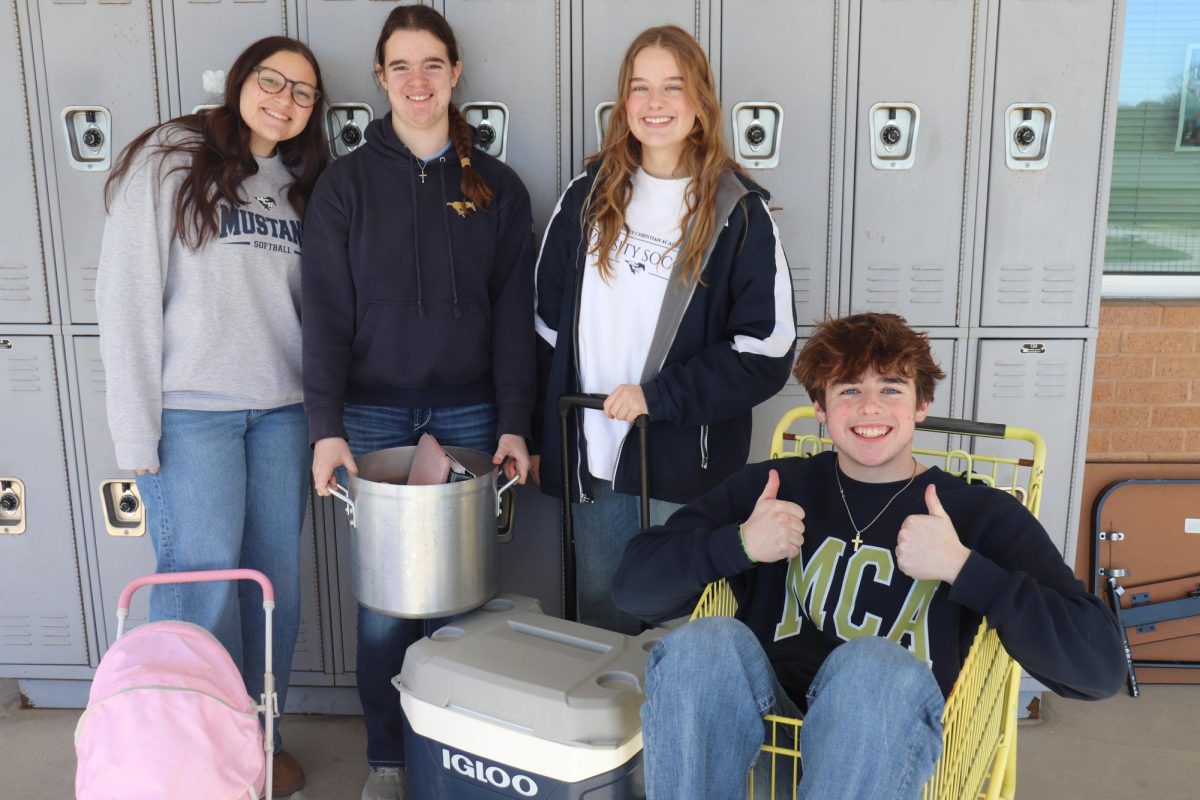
(746, 550)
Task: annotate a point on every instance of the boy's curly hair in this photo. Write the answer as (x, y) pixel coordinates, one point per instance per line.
(842, 350)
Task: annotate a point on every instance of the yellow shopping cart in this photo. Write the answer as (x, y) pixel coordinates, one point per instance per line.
(979, 747)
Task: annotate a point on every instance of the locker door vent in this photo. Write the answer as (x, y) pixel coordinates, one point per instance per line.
(802, 283)
(96, 375)
(1008, 379)
(87, 274)
(883, 286)
(16, 631)
(1058, 283)
(15, 284)
(928, 285)
(54, 632)
(24, 374)
(302, 639)
(1016, 284)
(1052, 379)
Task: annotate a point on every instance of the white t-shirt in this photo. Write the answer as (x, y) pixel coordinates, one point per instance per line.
(617, 319)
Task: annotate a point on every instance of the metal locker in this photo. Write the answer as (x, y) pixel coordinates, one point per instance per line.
(125, 553)
(945, 402)
(97, 73)
(501, 39)
(608, 27)
(342, 34)
(1039, 258)
(1036, 383)
(41, 600)
(208, 37)
(23, 285)
(910, 184)
(801, 79)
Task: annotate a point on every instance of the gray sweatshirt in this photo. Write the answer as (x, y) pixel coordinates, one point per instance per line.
(215, 329)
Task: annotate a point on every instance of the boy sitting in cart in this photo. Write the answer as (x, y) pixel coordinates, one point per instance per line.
(861, 577)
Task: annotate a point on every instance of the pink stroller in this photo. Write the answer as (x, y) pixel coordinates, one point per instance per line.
(168, 715)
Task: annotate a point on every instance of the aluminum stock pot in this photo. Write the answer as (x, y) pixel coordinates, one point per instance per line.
(425, 551)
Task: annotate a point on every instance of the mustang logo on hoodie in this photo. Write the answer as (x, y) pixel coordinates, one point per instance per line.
(462, 206)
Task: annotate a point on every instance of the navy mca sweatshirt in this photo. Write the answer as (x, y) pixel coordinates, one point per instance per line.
(802, 608)
(411, 296)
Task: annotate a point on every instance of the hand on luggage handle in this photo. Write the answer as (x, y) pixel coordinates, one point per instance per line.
(591, 401)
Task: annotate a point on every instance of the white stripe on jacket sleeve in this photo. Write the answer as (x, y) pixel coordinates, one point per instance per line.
(783, 334)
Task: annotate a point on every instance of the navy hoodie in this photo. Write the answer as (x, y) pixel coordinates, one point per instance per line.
(410, 297)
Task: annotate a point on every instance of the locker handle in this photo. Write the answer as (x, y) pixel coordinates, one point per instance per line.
(12, 506)
(124, 512)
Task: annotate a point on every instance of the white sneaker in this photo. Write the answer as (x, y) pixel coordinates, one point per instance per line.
(384, 783)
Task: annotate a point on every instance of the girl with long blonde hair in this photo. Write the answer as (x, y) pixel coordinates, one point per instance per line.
(661, 283)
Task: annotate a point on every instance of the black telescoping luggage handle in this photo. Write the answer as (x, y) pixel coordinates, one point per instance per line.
(596, 402)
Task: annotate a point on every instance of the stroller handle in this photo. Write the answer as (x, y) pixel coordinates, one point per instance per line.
(268, 591)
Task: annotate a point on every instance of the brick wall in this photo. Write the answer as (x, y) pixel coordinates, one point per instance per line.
(1146, 395)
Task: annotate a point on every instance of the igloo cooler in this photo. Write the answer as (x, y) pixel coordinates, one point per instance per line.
(506, 702)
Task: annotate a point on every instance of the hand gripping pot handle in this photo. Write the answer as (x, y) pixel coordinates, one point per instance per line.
(506, 528)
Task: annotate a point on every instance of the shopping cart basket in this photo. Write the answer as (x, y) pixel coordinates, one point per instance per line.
(979, 742)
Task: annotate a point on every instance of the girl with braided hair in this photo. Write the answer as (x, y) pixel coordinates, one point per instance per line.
(417, 303)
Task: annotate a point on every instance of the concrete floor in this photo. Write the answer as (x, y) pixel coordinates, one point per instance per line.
(1147, 748)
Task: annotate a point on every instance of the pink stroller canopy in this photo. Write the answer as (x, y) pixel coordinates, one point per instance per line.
(168, 717)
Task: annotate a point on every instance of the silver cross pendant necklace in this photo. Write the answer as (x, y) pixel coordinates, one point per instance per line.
(858, 532)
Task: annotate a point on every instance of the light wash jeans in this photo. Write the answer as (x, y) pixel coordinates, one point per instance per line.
(383, 640)
(873, 727)
(231, 493)
(602, 529)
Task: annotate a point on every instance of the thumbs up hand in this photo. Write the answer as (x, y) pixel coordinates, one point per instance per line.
(928, 547)
(775, 529)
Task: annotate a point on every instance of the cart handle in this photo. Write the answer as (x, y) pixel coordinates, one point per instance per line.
(198, 576)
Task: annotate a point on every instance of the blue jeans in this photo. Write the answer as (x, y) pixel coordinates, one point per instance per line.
(231, 493)
(602, 529)
(383, 640)
(873, 727)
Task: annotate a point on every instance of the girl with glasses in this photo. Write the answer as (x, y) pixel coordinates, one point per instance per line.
(418, 293)
(198, 299)
(661, 283)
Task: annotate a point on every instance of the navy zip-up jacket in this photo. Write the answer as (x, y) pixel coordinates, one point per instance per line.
(728, 341)
(410, 298)
(802, 608)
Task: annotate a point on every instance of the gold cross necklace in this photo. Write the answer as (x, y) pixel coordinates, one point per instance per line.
(858, 532)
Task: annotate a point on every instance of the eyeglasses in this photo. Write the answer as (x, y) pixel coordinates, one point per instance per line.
(272, 82)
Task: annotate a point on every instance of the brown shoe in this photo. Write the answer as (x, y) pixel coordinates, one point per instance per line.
(289, 775)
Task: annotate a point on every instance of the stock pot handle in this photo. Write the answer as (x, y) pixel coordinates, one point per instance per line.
(344, 496)
(506, 512)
